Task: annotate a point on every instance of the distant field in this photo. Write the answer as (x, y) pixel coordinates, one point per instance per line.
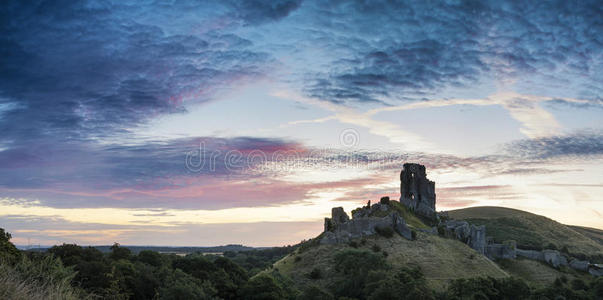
(532, 231)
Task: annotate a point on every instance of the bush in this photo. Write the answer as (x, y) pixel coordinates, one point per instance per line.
(353, 244)
(358, 261)
(315, 274)
(8, 251)
(297, 258)
(376, 248)
(578, 284)
(413, 234)
(551, 246)
(404, 284)
(488, 288)
(43, 278)
(263, 287)
(441, 230)
(314, 292)
(387, 232)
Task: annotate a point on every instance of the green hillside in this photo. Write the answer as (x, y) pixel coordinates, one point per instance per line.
(592, 233)
(439, 259)
(532, 231)
(538, 274)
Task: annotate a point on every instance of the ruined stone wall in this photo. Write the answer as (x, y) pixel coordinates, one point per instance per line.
(416, 191)
(341, 229)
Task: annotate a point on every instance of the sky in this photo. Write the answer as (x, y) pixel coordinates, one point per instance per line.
(197, 123)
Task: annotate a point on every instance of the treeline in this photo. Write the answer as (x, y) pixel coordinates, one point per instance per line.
(74, 272)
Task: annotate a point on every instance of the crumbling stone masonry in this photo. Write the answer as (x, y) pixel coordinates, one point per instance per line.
(416, 191)
(341, 229)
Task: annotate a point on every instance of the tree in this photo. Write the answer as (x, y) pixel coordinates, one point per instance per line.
(263, 287)
(314, 292)
(118, 252)
(355, 265)
(181, 286)
(149, 257)
(8, 251)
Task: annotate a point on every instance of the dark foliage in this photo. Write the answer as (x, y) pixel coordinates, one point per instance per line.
(360, 274)
(316, 273)
(385, 231)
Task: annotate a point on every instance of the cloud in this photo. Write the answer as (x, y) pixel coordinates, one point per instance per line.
(77, 70)
(261, 11)
(148, 164)
(582, 144)
(388, 51)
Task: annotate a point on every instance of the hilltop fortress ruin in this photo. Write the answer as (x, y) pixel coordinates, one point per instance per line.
(416, 191)
(417, 195)
(417, 200)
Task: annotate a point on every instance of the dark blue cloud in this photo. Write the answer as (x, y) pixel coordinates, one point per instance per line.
(74, 69)
(261, 11)
(145, 165)
(413, 49)
(581, 144)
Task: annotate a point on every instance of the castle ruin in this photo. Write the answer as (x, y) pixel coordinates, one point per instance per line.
(416, 191)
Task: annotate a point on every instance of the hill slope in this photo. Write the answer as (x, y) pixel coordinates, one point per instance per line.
(531, 231)
(440, 259)
(592, 233)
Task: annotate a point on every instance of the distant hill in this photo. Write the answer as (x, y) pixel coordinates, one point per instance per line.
(532, 231)
(166, 249)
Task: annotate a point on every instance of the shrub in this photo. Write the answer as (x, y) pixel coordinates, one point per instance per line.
(353, 244)
(315, 274)
(413, 234)
(297, 258)
(263, 287)
(376, 248)
(314, 292)
(357, 261)
(8, 251)
(441, 230)
(488, 288)
(551, 246)
(387, 232)
(578, 284)
(44, 278)
(385, 254)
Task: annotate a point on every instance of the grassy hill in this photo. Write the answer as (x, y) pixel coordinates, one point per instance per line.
(592, 233)
(532, 231)
(440, 259)
(538, 274)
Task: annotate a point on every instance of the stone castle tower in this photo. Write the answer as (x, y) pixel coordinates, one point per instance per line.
(416, 191)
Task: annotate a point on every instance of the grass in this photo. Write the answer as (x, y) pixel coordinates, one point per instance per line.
(530, 231)
(410, 218)
(43, 279)
(538, 274)
(592, 233)
(440, 260)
